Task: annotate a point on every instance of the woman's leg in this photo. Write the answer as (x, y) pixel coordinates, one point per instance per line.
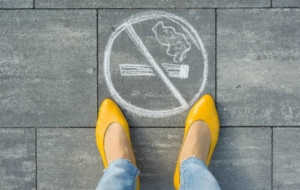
(120, 175)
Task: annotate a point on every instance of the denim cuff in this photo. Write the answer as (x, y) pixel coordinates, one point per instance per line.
(192, 160)
(124, 164)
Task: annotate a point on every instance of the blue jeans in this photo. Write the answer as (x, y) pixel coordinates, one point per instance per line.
(194, 175)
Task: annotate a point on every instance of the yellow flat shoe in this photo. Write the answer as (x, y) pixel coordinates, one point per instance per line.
(204, 110)
(110, 113)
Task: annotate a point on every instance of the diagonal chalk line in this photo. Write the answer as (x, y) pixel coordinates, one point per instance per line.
(138, 42)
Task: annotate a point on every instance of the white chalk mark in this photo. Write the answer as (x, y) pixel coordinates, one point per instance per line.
(188, 32)
(138, 42)
(138, 18)
(177, 71)
(176, 42)
(136, 70)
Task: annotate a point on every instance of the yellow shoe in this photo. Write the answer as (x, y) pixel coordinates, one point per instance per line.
(204, 110)
(110, 113)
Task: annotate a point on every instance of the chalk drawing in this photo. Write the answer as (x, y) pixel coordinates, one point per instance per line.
(138, 42)
(127, 27)
(136, 70)
(176, 42)
(177, 71)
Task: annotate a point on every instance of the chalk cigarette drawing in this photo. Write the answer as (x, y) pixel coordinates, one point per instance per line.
(127, 26)
(140, 45)
(176, 42)
(177, 71)
(136, 70)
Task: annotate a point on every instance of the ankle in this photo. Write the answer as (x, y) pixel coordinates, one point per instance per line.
(197, 142)
(116, 144)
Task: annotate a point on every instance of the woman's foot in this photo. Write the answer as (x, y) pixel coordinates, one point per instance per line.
(113, 135)
(201, 134)
(116, 144)
(197, 142)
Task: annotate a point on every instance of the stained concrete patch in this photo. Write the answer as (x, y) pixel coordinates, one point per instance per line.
(258, 67)
(286, 3)
(48, 68)
(150, 4)
(16, 3)
(242, 159)
(68, 159)
(17, 159)
(286, 167)
(129, 74)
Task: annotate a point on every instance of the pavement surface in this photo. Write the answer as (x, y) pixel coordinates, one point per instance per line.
(59, 59)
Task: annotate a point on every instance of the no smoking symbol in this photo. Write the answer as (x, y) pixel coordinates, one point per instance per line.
(170, 66)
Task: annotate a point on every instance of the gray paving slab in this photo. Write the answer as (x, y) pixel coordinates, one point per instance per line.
(286, 3)
(48, 68)
(17, 159)
(242, 159)
(258, 67)
(16, 3)
(286, 169)
(156, 151)
(67, 159)
(143, 70)
(150, 4)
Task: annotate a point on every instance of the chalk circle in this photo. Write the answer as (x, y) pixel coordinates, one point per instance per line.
(141, 17)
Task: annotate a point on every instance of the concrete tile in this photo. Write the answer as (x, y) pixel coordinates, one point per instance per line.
(17, 159)
(68, 159)
(143, 98)
(48, 68)
(286, 3)
(16, 3)
(156, 151)
(258, 67)
(150, 4)
(242, 159)
(286, 169)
